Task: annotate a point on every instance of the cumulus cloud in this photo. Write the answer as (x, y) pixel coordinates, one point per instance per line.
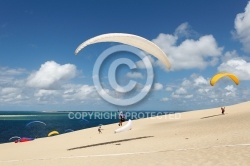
(12, 85)
(146, 88)
(230, 55)
(8, 76)
(200, 81)
(165, 99)
(184, 30)
(184, 90)
(169, 89)
(242, 28)
(11, 95)
(181, 91)
(47, 96)
(141, 65)
(134, 75)
(231, 90)
(9, 90)
(5, 71)
(196, 89)
(43, 92)
(189, 53)
(237, 66)
(51, 75)
(186, 83)
(188, 96)
(79, 92)
(203, 90)
(158, 86)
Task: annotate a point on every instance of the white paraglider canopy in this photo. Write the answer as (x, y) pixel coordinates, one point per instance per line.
(126, 127)
(129, 39)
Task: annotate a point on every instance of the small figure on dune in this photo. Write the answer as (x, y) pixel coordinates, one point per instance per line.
(99, 130)
(121, 118)
(223, 110)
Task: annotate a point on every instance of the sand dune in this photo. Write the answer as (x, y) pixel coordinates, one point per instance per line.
(203, 137)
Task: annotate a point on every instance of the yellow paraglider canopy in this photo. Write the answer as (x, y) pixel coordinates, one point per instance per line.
(53, 133)
(218, 76)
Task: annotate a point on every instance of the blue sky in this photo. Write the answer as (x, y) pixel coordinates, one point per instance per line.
(39, 71)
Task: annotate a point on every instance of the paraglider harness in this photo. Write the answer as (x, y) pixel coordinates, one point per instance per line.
(122, 117)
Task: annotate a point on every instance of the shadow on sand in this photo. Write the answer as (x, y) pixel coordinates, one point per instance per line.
(110, 142)
(211, 116)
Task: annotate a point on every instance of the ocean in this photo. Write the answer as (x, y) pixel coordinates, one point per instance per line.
(34, 124)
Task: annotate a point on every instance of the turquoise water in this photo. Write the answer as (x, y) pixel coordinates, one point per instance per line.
(14, 123)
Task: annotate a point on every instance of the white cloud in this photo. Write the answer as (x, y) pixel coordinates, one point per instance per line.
(190, 53)
(158, 86)
(186, 83)
(47, 96)
(10, 95)
(181, 91)
(184, 30)
(230, 55)
(105, 92)
(4, 71)
(200, 81)
(12, 85)
(79, 92)
(203, 90)
(8, 76)
(169, 89)
(141, 65)
(242, 27)
(9, 90)
(43, 92)
(146, 88)
(165, 99)
(239, 67)
(230, 90)
(134, 75)
(188, 96)
(197, 89)
(175, 95)
(51, 75)
(85, 91)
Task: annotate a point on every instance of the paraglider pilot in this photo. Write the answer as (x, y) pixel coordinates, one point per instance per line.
(222, 110)
(99, 130)
(121, 118)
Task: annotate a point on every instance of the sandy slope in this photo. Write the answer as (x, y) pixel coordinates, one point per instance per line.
(203, 137)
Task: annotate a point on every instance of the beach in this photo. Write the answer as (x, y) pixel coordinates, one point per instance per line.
(200, 137)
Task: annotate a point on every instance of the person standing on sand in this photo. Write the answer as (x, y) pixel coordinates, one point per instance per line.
(121, 118)
(99, 130)
(223, 110)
